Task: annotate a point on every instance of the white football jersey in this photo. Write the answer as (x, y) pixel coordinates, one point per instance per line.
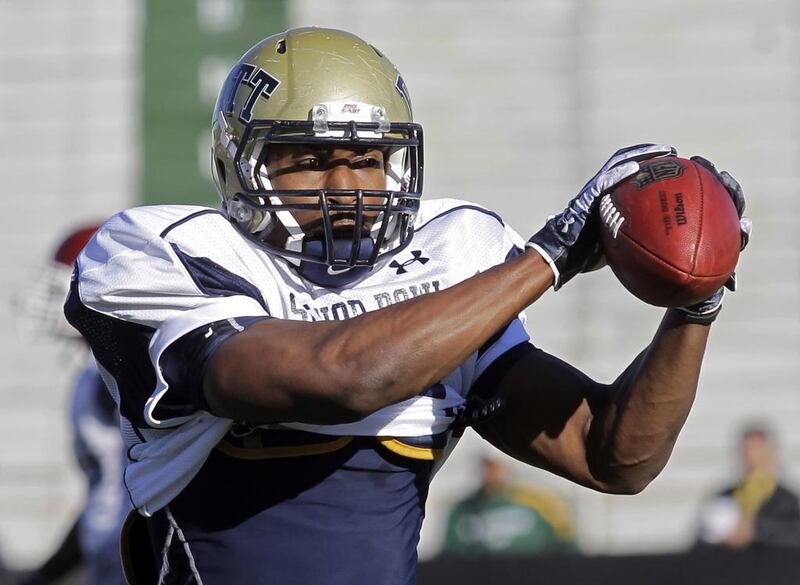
(151, 275)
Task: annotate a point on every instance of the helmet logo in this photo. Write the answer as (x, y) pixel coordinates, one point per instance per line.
(263, 84)
(350, 109)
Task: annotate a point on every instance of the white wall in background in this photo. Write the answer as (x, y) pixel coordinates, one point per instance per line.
(69, 101)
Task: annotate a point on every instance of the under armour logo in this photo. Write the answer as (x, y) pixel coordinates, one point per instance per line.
(565, 223)
(416, 256)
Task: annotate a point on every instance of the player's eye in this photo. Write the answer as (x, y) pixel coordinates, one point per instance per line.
(310, 162)
(368, 162)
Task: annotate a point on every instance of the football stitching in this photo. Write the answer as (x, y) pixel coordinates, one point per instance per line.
(610, 215)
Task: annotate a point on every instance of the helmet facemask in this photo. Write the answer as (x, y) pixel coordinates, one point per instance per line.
(264, 212)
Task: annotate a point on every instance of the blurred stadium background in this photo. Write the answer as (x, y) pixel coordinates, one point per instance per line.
(105, 104)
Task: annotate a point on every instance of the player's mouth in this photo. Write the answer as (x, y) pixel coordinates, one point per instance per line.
(343, 226)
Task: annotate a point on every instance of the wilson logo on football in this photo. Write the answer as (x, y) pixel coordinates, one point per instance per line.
(610, 216)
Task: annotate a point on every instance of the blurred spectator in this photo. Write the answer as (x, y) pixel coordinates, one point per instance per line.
(758, 511)
(92, 542)
(505, 519)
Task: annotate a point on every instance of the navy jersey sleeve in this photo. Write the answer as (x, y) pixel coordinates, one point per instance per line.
(184, 363)
(144, 303)
(154, 306)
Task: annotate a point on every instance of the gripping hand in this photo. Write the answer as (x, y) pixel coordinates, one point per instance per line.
(569, 241)
(706, 311)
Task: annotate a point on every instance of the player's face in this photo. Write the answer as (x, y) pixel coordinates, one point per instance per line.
(299, 166)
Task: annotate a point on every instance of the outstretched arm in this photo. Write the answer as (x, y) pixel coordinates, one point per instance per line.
(338, 371)
(335, 372)
(613, 438)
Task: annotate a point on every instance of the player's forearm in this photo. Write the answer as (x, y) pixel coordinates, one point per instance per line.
(634, 436)
(332, 372)
(432, 335)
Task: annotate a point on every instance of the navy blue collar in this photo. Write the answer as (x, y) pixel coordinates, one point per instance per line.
(322, 274)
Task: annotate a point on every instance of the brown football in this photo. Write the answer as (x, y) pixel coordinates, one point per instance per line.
(670, 232)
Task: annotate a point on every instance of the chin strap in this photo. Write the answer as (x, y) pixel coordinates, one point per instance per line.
(324, 275)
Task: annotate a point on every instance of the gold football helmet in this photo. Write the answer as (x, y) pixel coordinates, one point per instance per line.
(312, 86)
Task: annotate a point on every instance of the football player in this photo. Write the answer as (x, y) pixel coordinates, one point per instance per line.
(93, 540)
(293, 368)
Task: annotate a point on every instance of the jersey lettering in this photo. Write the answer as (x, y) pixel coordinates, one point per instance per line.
(341, 309)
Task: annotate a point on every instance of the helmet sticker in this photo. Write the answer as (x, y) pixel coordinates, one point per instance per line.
(263, 84)
(401, 87)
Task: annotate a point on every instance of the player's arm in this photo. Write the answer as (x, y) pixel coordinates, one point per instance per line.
(614, 438)
(339, 371)
(329, 372)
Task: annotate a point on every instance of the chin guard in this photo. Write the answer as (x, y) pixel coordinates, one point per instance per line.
(330, 276)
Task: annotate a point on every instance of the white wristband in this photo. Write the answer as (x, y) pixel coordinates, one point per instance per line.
(550, 262)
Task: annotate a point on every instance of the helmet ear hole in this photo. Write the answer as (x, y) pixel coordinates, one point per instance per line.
(220, 169)
(281, 47)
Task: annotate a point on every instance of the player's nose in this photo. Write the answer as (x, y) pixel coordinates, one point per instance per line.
(341, 176)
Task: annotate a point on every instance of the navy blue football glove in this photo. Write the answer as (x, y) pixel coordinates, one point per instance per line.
(706, 311)
(569, 242)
